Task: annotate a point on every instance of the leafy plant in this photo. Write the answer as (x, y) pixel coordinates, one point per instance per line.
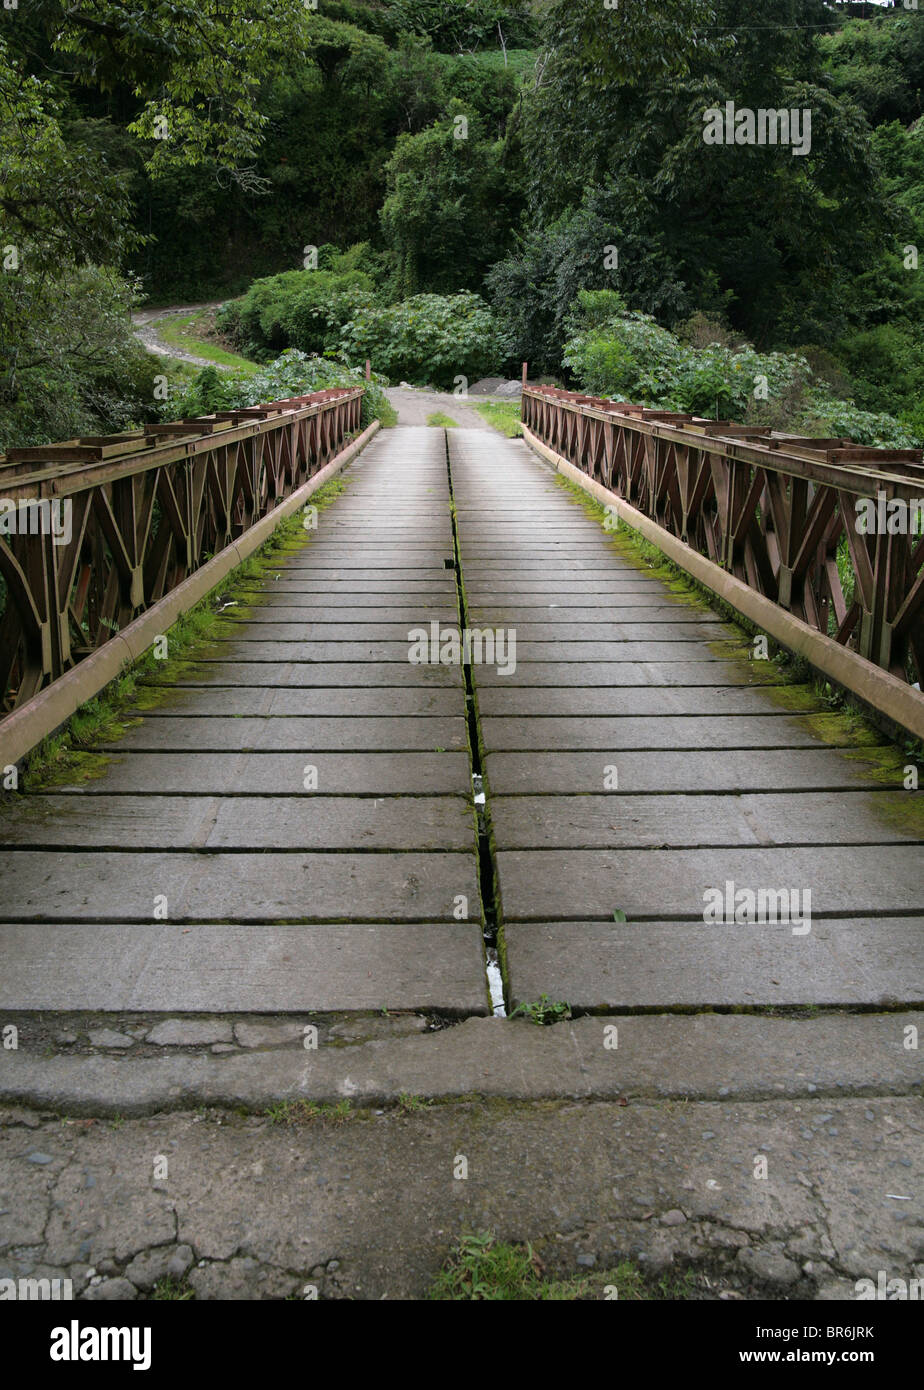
(429, 339)
(543, 1011)
(293, 373)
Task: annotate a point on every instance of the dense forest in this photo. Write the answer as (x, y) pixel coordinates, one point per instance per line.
(453, 188)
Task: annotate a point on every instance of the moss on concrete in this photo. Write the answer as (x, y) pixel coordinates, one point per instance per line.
(844, 728)
(800, 699)
(900, 810)
(883, 765)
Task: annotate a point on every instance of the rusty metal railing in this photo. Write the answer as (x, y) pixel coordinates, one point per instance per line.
(781, 513)
(95, 531)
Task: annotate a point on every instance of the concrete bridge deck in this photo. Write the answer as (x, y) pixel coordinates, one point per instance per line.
(293, 828)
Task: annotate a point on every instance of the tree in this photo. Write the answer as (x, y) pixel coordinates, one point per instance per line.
(449, 210)
(751, 230)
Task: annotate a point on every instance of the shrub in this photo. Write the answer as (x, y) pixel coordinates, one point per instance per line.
(69, 361)
(614, 352)
(292, 374)
(429, 339)
(299, 308)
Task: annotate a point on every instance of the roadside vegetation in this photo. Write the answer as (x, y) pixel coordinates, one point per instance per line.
(394, 189)
(195, 333)
(481, 1268)
(503, 416)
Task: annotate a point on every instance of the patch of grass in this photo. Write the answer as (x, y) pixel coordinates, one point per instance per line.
(192, 333)
(412, 1105)
(902, 811)
(482, 1269)
(442, 422)
(503, 416)
(843, 727)
(302, 1112)
(884, 765)
(543, 1011)
(172, 1290)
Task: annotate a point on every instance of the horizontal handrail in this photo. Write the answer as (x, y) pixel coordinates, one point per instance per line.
(96, 530)
(825, 528)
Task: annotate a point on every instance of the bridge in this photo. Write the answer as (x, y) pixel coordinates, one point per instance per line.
(608, 795)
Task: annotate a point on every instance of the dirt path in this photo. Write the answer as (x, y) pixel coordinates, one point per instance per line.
(414, 407)
(146, 321)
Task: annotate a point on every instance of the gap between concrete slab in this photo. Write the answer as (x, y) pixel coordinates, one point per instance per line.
(487, 866)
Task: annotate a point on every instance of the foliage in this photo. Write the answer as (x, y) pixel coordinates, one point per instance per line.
(193, 333)
(503, 416)
(197, 65)
(292, 374)
(299, 308)
(459, 28)
(290, 1113)
(439, 183)
(780, 276)
(69, 363)
(879, 64)
(826, 416)
(625, 355)
(483, 1269)
(533, 288)
(543, 1011)
(331, 127)
(429, 338)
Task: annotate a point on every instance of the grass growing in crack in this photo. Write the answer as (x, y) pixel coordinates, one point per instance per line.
(65, 757)
(411, 1105)
(302, 1112)
(503, 416)
(543, 1010)
(482, 1269)
(442, 422)
(170, 1290)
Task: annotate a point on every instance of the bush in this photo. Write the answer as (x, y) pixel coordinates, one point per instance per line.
(70, 364)
(626, 356)
(291, 374)
(885, 364)
(304, 309)
(429, 339)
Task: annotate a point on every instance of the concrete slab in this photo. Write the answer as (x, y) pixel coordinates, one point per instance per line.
(274, 774)
(658, 885)
(611, 821)
(307, 821)
(220, 968)
(607, 966)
